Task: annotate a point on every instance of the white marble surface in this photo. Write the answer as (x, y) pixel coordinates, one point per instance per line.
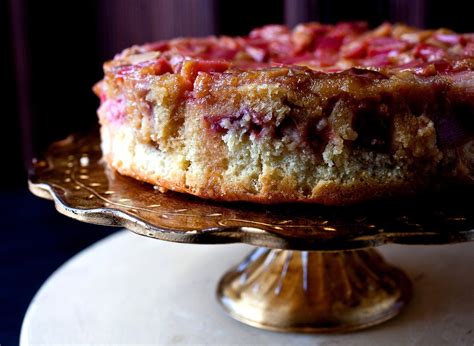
(128, 289)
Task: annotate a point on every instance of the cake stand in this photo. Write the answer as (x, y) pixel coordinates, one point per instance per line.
(314, 268)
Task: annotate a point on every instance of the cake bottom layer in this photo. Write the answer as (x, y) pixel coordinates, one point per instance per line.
(263, 171)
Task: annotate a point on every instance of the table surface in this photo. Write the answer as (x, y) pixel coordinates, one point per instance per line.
(130, 289)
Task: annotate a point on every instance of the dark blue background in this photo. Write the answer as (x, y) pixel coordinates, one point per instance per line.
(35, 241)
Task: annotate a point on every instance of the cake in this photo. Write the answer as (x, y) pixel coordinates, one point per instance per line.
(329, 114)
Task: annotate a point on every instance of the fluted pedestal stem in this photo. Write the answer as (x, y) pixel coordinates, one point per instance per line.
(314, 291)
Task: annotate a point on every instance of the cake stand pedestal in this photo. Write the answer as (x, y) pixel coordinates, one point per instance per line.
(306, 291)
(315, 269)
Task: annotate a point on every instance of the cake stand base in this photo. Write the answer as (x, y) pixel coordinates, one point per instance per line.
(317, 292)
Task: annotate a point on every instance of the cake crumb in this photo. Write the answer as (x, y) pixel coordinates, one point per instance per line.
(160, 188)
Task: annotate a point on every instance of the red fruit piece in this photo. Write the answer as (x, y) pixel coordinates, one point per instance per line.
(270, 32)
(191, 68)
(377, 61)
(305, 36)
(451, 39)
(355, 50)
(258, 54)
(385, 45)
(469, 49)
(349, 28)
(154, 67)
(327, 51)
(428, 52)
(162, 66)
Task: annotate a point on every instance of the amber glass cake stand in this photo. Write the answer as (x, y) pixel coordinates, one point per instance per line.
(314, 268)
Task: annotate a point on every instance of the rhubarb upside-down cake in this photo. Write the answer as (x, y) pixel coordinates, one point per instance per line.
(331, 114)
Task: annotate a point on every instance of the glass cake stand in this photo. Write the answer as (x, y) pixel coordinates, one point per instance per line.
(314, 268)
